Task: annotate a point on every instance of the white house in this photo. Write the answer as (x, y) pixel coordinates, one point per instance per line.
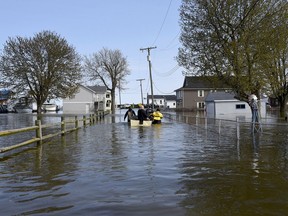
(224, 105)
(88, 99)
(163, 101)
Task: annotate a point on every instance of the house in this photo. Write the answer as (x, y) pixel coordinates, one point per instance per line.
(222, 104)
(163, 101)
(88, 99)
(191, 96)
(5, 96)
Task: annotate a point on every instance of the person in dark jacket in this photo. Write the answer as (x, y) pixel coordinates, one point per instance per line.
(142, 114)
(130, 114)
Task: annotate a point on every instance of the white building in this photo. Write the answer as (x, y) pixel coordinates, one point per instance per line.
(224, 105)
(163, 101)
(88, 99)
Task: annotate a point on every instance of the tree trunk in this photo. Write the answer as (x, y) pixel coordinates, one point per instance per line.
(282, 105)
(113, 101)
(39, 107)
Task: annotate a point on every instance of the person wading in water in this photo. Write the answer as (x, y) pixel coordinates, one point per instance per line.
(157, 116)
(130, 114)
(142, 114)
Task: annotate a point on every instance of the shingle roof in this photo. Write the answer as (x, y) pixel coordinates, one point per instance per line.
(170, 97)
(166, 97)
(221, 95)
(199, 82)
(98, 89)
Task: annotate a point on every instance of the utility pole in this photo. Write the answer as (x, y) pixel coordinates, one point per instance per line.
(141, 90)
(151, 81)
(120, 96)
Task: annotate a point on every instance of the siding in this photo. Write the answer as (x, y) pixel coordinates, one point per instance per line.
(227, 109)
(190, 99)
(82, 101)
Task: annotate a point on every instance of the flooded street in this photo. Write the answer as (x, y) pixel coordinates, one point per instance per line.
(175, 168)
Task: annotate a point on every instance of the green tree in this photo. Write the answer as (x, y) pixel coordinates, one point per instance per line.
(45, 65)
(110, 67)
(228, 39)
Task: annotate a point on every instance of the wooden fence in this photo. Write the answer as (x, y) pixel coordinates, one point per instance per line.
(66, 126)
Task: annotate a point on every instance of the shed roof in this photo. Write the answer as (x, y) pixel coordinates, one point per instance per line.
(221, 95)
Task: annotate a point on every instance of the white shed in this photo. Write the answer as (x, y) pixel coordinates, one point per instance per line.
(224, 105)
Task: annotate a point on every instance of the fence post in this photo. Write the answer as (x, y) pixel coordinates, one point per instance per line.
(238, 129)
(84, 120)
(76, 122)
(39, 131)
(94, 118)
(90, 119)
(196, 120)
(219, 129)
(206, 123)
(62, 126)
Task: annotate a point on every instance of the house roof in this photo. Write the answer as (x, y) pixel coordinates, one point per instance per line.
(166, 97)
(221, 95)
(97, 89)
(200, 82)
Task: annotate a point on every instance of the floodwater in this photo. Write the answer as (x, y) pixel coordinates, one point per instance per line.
(175, 168)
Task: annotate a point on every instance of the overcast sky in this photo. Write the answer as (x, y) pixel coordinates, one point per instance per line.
(90, 25)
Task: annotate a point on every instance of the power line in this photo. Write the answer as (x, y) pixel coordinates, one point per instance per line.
(161, 91)
(171, 42)
(168, 73)
(162, 23)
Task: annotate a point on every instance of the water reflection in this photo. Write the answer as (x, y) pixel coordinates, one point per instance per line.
(239, 186)
(36, 177)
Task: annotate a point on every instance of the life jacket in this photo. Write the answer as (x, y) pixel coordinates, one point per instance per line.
(157, 115)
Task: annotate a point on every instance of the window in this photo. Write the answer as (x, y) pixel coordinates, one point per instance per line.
(107, 95)
(200, 93)
(200, 105)
(179, 94)
(160, 101)
(240, 106)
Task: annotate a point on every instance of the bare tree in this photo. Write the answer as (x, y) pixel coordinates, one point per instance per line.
(110, 67)
(227, 39)
(274, 56)
(45, 65)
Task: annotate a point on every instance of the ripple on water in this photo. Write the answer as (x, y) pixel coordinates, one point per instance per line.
(171, 169)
